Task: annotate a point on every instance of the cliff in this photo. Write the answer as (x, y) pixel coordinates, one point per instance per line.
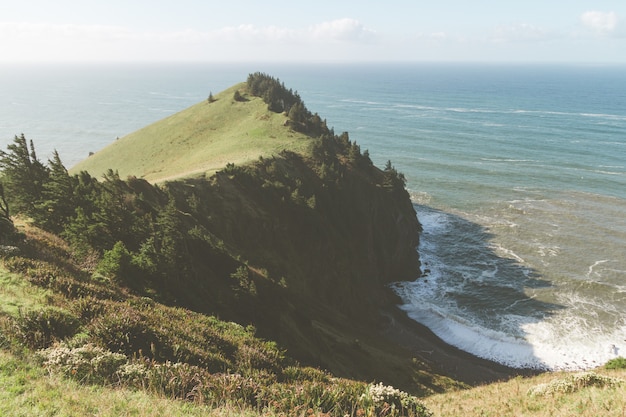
(298, 241)
(320, 246)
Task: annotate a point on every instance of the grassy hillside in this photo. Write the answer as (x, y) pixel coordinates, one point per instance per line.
(31, 383)
(259, 288)
(591, 394)
(201, 139)
(75, 344)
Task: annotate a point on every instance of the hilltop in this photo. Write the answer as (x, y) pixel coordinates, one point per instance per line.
(272, 269)
(201, 139)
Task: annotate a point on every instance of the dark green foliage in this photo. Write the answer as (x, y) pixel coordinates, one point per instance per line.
(116, 263)
(280, 99)
(616, 363)
(57, 205)
(238, 97)
(393, 179)
(39, 329)
(5, 213)
(23, 175)
(125, 330)
(8, 234)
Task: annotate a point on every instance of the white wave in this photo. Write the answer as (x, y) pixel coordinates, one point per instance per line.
(507, 253)
(507, 160)
(420, 197)
(542, 344)
(604, 116)
(355, 101)
(596, 263)
(599, 171)
(477, 340)
(562, 346)
(433, 221)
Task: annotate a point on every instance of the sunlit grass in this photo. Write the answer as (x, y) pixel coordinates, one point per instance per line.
(514, 398)
(26, 389)
(200, 139)
(18, 295)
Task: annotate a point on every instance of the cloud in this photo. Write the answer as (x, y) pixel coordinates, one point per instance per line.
(23, 41)
(341, 30)
(600, 22)
(521, 32)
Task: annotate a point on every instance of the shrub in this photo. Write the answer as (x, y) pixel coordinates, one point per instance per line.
(116, 263)
(301, 374)
(123, 329)
(88, 308)
(172, 380)
(617, 363)
(88, 363)
(387, 400)
(9, 251)
(574, 383)
(40, 328)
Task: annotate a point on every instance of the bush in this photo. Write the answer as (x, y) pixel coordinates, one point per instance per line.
(172, 380)
(617, 363)
(574, 383)
(116, 263)
(88, 363)
(40, 328)
(123, 329)
(389, 401)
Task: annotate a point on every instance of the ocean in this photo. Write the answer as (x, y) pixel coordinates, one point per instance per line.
(517, 173)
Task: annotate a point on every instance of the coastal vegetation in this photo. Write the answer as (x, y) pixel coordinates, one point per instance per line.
(230, 259)
(253, 287)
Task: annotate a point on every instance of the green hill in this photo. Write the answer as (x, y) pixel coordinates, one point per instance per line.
(200, 139)
(251, 280)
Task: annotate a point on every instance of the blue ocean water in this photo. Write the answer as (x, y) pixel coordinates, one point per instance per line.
(517, 172)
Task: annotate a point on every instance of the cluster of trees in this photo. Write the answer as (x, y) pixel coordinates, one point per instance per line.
(279, 99)
(159, 236)
(131, 221)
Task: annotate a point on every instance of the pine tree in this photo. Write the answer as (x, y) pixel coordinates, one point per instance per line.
(58, 202)
(7, 230)
(24, 175)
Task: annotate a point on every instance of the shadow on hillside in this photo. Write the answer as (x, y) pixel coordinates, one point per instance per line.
(468, 289)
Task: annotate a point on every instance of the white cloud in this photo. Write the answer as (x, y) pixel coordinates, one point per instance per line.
(341, 30)
(601, 22)
(521, 32)
(39, 42)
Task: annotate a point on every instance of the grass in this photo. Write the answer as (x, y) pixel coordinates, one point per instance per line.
(26, 389)
(86, 351)
(200, 139)
(571, 397)
(18, 295)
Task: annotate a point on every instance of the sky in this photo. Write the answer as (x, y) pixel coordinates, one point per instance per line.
(313, 31)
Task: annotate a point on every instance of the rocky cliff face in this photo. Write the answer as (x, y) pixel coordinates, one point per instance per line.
(337, 238)
(320, 238)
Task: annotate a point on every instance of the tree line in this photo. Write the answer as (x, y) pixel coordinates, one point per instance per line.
(279, 99)
(137, 232)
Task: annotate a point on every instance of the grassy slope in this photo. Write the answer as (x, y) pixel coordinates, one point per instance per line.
(203, 138)
(27, 389)
(230, 127)
(512, 398)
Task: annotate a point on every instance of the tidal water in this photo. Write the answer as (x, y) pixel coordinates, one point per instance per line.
(517, 172)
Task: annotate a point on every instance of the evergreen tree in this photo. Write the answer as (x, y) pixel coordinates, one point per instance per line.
(58, 202)
(24, 175)
(4, 206)
(6, 225)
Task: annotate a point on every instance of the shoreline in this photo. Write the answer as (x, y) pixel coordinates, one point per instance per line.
(440, 356)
